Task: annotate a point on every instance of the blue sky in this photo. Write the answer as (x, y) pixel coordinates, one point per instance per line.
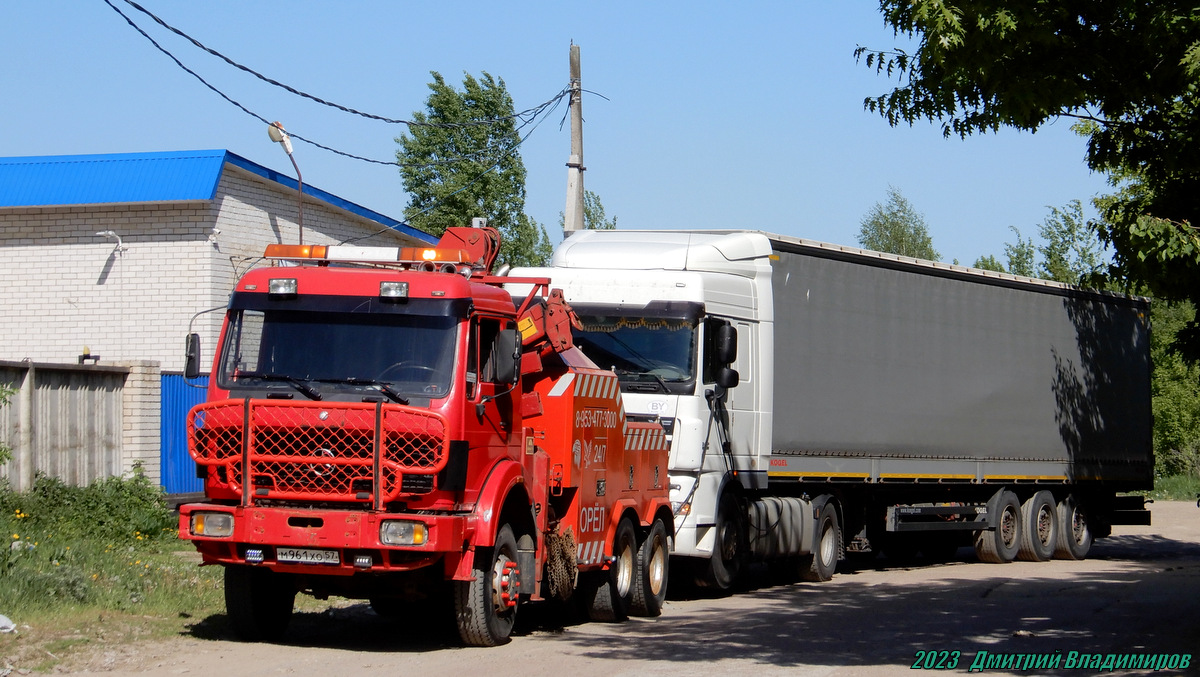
(719, 115)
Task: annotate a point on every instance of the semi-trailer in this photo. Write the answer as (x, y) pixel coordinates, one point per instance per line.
(821, 399)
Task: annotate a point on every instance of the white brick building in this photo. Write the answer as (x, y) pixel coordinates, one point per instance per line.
(188, 224)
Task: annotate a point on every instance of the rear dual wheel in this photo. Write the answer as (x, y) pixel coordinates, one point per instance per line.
(1001, 543)
(650, 577)
(1074, 530)
(1039, 535)
(611, 592)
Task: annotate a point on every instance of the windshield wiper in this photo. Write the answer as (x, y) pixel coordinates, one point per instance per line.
(383, 387)
(309, 391)
(638, 374)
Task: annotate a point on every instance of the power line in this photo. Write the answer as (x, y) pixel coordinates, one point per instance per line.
(526, 116)
(371, 116)
(534, 116)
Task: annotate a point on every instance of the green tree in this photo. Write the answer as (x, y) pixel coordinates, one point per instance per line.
(897, 228)
(989, 262)
(1020, 255)
(460, 161)
(593, 214)
(1175, 389)
(1069, 251)
(1072, 252)
(1127, 69)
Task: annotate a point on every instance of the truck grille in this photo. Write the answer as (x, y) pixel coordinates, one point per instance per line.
(340, 451)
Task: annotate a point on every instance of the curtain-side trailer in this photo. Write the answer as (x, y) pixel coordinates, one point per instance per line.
(823, 399)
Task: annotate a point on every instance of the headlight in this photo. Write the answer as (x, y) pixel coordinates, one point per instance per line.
(397, 532)
(213, 524)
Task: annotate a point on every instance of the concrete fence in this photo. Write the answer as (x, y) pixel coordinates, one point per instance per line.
(80, 422)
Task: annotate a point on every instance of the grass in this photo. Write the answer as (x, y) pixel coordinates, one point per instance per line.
(1175, 488)
(78, 564)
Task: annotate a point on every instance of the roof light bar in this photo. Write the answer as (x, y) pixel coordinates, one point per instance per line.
(365, 254)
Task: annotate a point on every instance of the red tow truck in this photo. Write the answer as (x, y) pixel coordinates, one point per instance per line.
(390, 424)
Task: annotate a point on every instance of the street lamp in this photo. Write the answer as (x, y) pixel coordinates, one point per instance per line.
(275, 131)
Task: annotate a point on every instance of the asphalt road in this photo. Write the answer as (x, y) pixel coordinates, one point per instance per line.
(1136, 593)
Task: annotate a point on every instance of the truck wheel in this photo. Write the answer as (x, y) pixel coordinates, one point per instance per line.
(613, 596)
(824, 558)
(1074, 532)
(259, 602)
(1039, 532)
(486, 607)
(650, 581)
(1001, 544)
(730, 546)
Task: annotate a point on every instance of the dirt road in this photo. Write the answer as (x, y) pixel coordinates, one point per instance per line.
(1136, 593)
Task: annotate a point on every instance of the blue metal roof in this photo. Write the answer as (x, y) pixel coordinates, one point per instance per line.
(99, 179)
(172, 176)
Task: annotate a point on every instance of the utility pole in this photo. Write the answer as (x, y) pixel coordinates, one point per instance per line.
(573, 216)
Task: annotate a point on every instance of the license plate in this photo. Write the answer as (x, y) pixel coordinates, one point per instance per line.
(307, 556)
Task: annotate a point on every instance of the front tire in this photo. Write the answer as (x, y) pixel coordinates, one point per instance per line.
(259, 602)
(650, 582)
(729, 547)
(822, 563)
(485, 608)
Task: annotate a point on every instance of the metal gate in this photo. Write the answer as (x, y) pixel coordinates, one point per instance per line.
(178, 468)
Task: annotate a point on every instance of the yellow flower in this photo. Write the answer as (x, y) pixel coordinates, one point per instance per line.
(16, 535)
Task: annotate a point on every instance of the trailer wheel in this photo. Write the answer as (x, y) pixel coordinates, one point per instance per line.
(612, 596)
(1001, 544)
(486, 607)
(259, 602)
(1074, 530)
(823, 560)
(650, 582)
(1039, 532)
(730, 546)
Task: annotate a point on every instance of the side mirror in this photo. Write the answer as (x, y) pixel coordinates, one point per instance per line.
(507, 355)
(727, 378)
(725, 345)
(191, 361)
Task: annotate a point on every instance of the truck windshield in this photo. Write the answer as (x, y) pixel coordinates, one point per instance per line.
(648, 354)
(413, 354)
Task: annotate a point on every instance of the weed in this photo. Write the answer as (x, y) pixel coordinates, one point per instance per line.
(110, 546)
(1176, 488)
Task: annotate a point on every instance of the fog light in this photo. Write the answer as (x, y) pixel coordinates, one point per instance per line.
(254, 556)
(212, 524)
(397, 532)
(363, 561)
